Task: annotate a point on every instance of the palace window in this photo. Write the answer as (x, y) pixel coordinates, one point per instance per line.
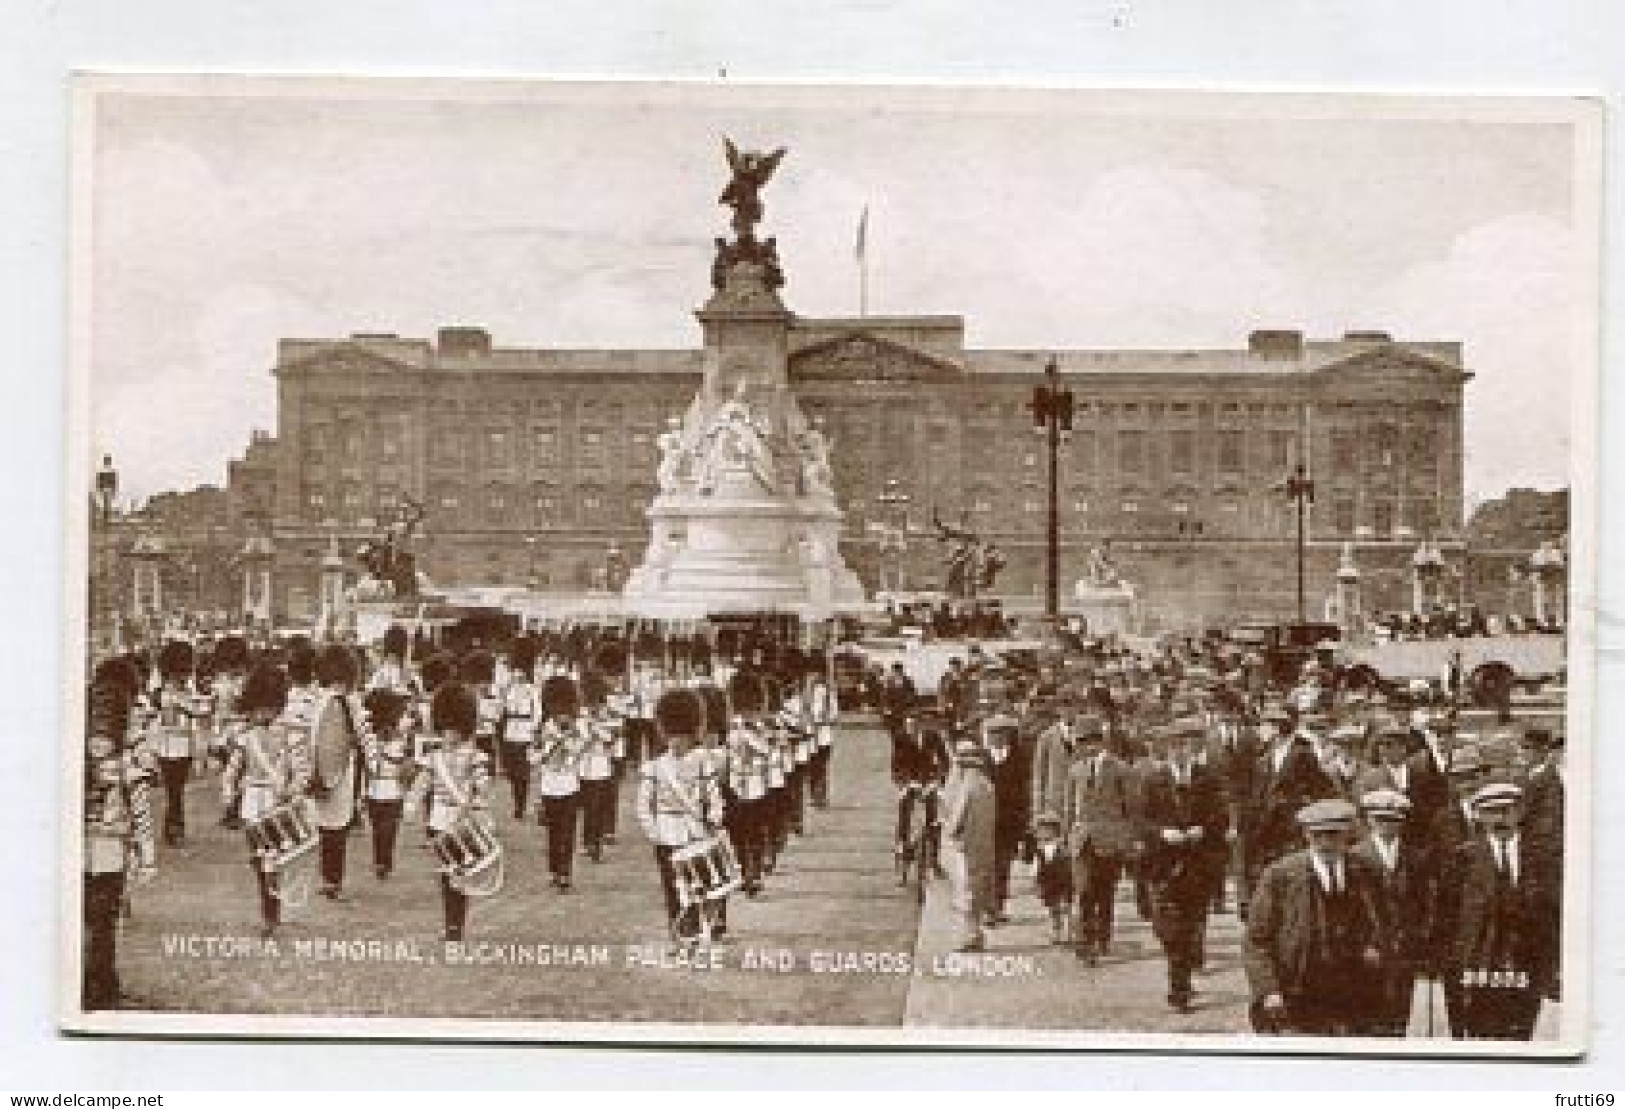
(496, 449)
(1231, 451)
(544, 443)
(1131, 452)
(1283, 450)
(1182, 452)
(1345, 452)
(1343, 516)
(590, 449)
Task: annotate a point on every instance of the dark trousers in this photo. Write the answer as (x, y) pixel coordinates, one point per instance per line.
(1178, 917)
(559, 817)
(927, 799)
(777, 821)
(174, 773)
(104, 893)
(516, 768)
(1005, 847)
(270, 903)
(818, 776)
(333, 844)
(684, 923)
(596, 808)
(748, 830)
(612, 821)
(1498, 1013)
(795, 799)
(1095, 877)
(454, 904)
(385, 817)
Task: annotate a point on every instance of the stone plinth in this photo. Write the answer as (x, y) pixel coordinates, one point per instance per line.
(1106, 609)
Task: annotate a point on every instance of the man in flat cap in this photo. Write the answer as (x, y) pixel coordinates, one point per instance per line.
(1099, 817)
(1288, 776)
(969, 812)
(1184, 820)
(1498, 914)
(1406, 883)
(1318, 936)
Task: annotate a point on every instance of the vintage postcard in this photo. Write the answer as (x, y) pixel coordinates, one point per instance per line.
(830, 564)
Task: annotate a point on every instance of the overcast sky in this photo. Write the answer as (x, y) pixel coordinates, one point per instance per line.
(583, 217)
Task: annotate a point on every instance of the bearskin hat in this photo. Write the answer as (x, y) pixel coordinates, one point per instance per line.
(522, 653)
(231, 653)
(301, 661)
(107, 712)
(746, 692)
(384, 708)
(772, 693)
(176, 659)
(680, 712)
(265, 690)
(438, 669)
(716, 709)
(120, 671)
(560, 697)
(336, 665)
(477, 668)
(394, 642)
(453, 709)
(594, 688)
(609, 659)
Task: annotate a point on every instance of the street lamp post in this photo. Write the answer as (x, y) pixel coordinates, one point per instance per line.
(1052, 417)
(104, 597)
(1301, 489)
(894, 499)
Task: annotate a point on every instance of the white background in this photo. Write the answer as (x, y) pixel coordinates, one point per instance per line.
(1422, 45)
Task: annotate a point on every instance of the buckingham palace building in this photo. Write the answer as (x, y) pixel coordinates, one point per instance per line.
(535, 467)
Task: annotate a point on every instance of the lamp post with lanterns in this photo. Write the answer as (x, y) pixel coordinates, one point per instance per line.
(894, 501)
(104, 594)
(1300, 489)
(1052, 409)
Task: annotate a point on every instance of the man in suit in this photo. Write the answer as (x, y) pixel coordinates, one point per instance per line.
(1407, 891)
(1286, 777)
(1432, 739)
(1233, 752)
(1010, 767)
(1052, 760)
(969, 813)
(1498, 909)
(1318, 935)
(1183, 821)
(1099, 815)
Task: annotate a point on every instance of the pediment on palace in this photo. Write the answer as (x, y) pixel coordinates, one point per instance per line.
(869, 358)
(1393, 364)
(346, 361)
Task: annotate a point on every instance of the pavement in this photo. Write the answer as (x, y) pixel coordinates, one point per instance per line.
(833, 941)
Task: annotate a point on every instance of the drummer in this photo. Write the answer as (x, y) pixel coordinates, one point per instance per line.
(268, 769)
(457, 779)
(679, 802)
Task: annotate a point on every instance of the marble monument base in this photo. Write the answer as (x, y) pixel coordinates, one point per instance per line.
(715, 555)
(1106, 609)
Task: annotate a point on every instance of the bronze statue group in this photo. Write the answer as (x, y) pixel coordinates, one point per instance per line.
(1383, 850)
(308, 743)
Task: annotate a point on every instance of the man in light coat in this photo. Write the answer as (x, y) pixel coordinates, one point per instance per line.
(968, 820)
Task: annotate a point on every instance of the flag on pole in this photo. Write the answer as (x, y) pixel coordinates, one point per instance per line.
(863, 235)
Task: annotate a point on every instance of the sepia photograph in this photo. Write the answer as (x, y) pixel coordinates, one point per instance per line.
(830, 564)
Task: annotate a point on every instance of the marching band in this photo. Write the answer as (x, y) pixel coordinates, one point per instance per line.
(1369, 846)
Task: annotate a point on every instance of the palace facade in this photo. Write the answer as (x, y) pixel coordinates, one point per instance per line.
(535, 466)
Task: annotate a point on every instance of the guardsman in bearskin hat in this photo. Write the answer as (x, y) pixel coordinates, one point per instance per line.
(779, 769)
(748, 755)
(610, 663)
(597, 764)
(823, 712)
(268, 768)
(793, 719)
(389, 773)
(477, 671)
(455, 777)
(679, 803)
(118, 836)
(336, 739)
(521, 713)
(392, 672)
(555, 756)
(172, 734)
(1498, 922)
(229, 661)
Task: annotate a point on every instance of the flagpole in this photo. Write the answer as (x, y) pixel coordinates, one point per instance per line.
(863, 262)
